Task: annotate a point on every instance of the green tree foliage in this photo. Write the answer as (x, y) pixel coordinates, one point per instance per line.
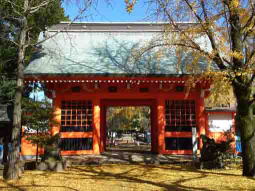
(7, 76)
(22, 21)
(128, 118)
(38, 118)
(9, 34)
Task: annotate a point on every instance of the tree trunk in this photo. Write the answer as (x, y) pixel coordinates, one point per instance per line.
(245, 123)
(6, 149)
(12, 167)
(37, 149)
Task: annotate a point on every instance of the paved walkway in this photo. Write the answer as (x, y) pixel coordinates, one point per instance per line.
(127, 157)
(128, 154)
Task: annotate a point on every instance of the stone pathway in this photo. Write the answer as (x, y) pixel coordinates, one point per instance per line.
(127, 157)
(123, 157)
(128, 154)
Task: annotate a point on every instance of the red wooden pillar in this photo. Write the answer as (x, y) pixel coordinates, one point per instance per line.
(161, 125)
(234, 132)
(154, 131)
(207, 132)
(96, 129)
(57, 115)
(102, 127)
(201, 118)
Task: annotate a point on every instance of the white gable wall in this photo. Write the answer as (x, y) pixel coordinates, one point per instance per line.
(220, 122)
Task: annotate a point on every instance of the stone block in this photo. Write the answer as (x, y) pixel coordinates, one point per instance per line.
(42, 166)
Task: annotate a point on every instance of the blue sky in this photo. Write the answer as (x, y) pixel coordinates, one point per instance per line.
(103, 12)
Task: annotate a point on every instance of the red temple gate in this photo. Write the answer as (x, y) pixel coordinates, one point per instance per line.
(81, 112)
(99, 73)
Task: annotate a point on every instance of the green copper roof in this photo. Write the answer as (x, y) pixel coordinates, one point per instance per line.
(105, 52)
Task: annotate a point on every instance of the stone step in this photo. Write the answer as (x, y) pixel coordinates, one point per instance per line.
(126, 158)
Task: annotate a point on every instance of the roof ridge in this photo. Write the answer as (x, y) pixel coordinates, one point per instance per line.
(116, 26)
(126, 22)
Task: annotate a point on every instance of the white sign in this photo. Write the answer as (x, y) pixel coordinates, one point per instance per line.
(220, 122)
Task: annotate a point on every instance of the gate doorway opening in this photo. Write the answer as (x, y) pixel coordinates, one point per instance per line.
(128, 129)
(129, 125)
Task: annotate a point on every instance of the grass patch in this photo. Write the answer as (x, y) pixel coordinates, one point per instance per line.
(132, 177)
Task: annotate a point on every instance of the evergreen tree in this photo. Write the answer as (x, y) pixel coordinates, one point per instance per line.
(21, 22)
(9, 34)
(37, 120)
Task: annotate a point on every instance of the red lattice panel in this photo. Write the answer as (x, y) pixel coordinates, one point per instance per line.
(180, 115)
(76, 116)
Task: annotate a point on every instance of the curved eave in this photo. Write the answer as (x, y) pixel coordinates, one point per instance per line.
(57, 75)
(117, 26)
(179, 79)
(220, 110)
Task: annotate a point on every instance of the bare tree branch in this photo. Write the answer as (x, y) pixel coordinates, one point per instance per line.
(250, 22)
(216, 58)
(66, 28)
(207, 28)
(38, 7)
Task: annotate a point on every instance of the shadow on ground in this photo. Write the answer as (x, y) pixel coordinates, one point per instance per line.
(138, 168)
(134, 175)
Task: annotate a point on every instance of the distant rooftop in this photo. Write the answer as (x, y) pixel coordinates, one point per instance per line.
(115, 26)
(221, 109)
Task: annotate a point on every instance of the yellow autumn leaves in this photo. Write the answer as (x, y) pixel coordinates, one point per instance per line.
(130, 5)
